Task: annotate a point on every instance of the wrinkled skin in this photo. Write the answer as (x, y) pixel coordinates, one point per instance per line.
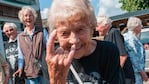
(75, 42)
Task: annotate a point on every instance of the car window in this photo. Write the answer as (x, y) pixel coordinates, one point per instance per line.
(145, 37)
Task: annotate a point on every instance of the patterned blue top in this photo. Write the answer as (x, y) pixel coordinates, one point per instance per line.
(135, 51)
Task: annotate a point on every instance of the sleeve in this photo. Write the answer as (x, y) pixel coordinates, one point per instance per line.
(20, 56)
(4, 64)
(119, 41)
(134, 54)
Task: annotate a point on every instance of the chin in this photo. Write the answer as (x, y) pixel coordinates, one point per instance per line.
(78, 54)
(77, 57)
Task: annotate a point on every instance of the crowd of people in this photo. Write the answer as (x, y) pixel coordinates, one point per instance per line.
(33, 57)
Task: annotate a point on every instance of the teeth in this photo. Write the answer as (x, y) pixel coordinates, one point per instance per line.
(78, 47)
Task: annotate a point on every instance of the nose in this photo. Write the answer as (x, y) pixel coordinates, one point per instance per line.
(74, 38)
(27, 16)
(9, 32)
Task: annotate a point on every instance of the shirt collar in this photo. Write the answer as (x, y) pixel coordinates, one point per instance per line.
(12, 40)
(25, 31)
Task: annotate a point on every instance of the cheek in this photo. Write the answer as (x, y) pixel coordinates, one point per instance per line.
(86, 37)
(7, 34)
(97, 28)
(100, 29)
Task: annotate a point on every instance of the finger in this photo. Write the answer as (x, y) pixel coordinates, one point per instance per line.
(64, 56)
(70, 56)
(20, 74)
(60, 55)
(14, 74)
(59, 50)
(50, 43)
(61, 61)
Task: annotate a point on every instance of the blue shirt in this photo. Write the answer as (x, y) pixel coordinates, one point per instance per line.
(135, 51)
(20, 54)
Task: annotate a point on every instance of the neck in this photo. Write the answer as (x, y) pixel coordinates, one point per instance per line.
(92, 47)
(29, 30)
(13, 37)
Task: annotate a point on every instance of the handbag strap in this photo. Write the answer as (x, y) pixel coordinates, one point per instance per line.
(76, 74)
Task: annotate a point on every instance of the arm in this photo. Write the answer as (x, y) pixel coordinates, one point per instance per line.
(144, 75)
(20, 61)
(5, 67)
(119, 41)
(122, 60)
(135, 55)
(6, 70)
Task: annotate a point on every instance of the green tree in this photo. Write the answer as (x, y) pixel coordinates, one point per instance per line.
(134, 5)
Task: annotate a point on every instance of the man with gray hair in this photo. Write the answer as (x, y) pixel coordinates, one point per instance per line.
(104, 27)
(135, 49)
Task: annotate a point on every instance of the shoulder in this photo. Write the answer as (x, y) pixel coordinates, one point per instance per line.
(21, 33)
(114, 31)
(107, 46)
(38, 29)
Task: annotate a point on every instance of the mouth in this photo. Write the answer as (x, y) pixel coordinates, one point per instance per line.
(28, 21)
(77, 47)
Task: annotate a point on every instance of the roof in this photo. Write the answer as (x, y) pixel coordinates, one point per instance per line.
(127, 15)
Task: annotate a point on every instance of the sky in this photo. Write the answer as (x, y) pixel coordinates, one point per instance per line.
(101, 7)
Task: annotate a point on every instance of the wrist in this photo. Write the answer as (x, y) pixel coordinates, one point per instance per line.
(58, 78)
(57, 81)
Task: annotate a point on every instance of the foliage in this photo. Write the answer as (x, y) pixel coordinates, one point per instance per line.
(134, 5)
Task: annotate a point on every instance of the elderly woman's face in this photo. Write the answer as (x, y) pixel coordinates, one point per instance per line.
(77, 33)
(28, 18)
(10, 32)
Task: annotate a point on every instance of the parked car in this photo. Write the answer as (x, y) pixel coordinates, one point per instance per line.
(145, 41)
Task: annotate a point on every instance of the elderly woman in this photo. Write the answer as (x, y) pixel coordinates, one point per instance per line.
(72, 23)
(135, 49)
(31, 45)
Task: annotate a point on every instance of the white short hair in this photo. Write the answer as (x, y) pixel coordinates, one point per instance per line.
(70, 9)
(104, 20)
(21, 12)
(9, 25)
(133, 22)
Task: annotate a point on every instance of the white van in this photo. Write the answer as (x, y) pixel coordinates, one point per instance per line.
(145, 40)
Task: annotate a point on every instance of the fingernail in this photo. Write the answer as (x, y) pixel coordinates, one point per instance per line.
(73, 47)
